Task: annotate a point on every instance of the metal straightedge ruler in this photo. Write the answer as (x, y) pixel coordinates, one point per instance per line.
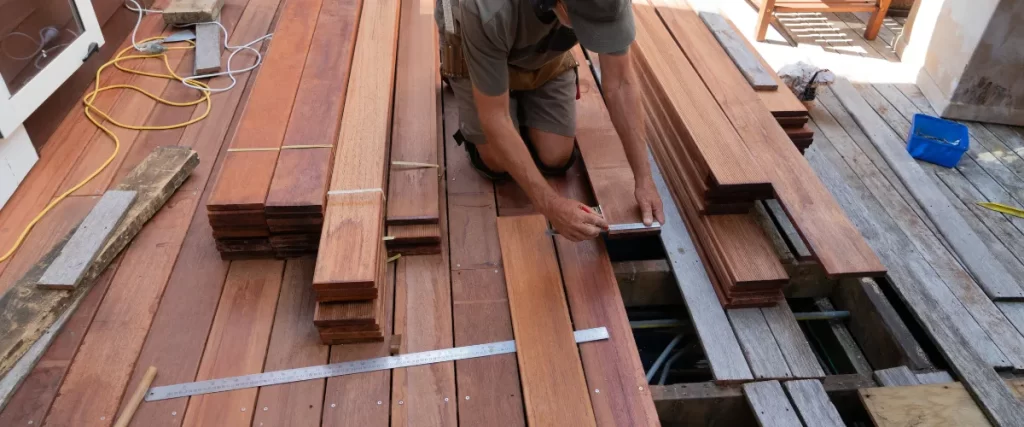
(348, 368)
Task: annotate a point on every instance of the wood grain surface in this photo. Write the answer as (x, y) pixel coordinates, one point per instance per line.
(67, 270)
(554, 388)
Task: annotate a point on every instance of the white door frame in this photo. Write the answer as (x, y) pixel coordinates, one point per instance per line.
(15, 109)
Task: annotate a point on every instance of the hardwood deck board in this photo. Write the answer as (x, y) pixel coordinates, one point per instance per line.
(301, 176)
(362, 399)
(245, 178)
(294, 343)
(412, 191)
(238, 341)
(835, 242)
(554, 388)
(611, 366)
(189, 303)
(423, 317)
(728, 159)
(601, 147)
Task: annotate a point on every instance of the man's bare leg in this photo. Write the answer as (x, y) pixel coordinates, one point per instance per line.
(553, 150)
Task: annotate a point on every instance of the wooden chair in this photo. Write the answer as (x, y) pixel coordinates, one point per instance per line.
(876, 7)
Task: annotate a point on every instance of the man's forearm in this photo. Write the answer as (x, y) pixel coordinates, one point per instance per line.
(518, 162)
(623, 101)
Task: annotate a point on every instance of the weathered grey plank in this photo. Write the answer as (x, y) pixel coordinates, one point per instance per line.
(992, 394)
(770, 405)
(746, 61)
(991, 275)
(792, 342)
(26, 312)
(892, 233)
(882, 335)
(936, 377)
(208, 49)
(759, 346)
(853, 351)
(788, 230)
(716, 335)
(813, 403)
(185, 12)
(892, 377)
(66, 271)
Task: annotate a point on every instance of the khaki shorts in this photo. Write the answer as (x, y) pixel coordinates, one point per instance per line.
(550, 108)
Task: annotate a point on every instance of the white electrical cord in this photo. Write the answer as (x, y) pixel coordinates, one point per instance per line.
(46, 35)
(234, 51)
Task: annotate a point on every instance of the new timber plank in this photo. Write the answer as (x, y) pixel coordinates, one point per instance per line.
(975, 255)
(746, 60)
(412, 191)
(730, 162)
(361, 155)
(612, 366)
(716, 334)
(362, 399)
(770, 405)
(238, 340)
(554, 388)
(813, 404)
(294, 343)
(424, 395)
(607, 166)
(301, 176)
(350, 242)
(68, 269)
(831, 236)
(244, 179)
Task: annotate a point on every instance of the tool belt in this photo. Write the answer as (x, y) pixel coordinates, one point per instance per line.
(453, 65)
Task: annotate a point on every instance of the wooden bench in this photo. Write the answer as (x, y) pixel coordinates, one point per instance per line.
(877, 9)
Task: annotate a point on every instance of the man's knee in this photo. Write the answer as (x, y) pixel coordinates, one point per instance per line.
(553, 150)
(490, 156)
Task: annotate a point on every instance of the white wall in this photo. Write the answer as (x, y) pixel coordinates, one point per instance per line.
(17, 156)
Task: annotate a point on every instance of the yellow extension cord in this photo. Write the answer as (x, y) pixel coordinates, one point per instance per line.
(90, 109)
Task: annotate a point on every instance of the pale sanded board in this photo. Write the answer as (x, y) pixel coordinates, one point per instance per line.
(208, 38)
(751, 67)
(67, 270)
(182, 12)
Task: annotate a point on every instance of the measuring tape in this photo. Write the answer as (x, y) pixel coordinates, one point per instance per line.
(348, 368)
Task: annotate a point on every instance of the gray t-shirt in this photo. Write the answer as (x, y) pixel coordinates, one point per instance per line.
(499, 34)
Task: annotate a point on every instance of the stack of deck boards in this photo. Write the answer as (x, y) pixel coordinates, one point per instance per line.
(791, 114)
(710, 131)
(388, 142)
(269, 198)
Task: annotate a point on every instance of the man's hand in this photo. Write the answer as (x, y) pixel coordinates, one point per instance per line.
(649, 201)
(574, 220)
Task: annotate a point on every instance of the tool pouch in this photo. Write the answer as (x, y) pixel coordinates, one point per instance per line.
(453, 64)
